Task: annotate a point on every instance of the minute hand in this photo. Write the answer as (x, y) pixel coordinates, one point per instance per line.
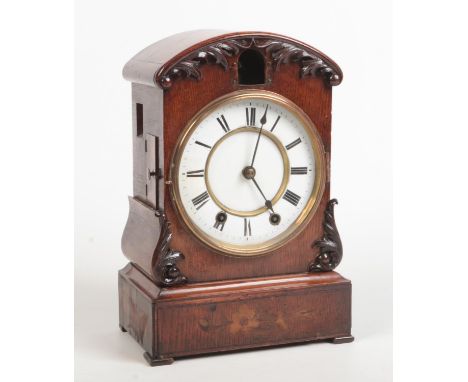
(263, 120)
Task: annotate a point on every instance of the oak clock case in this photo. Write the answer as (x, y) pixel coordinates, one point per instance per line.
(231, 233)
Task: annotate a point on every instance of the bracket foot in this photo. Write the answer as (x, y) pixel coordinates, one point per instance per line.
(342, 340)
(157, 361)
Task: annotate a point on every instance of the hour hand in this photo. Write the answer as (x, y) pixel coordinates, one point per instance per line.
(267, 202)
(274, 217)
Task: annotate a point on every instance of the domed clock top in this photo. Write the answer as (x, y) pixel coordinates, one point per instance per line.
(181, 55)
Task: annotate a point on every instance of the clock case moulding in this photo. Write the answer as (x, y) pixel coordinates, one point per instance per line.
(178, 297)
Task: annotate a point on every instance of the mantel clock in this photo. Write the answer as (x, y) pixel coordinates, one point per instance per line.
(231, 233)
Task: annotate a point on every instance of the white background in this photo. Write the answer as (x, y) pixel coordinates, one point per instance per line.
(357, 35)
(37, 215)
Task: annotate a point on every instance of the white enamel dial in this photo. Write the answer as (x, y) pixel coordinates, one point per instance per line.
(248, 173)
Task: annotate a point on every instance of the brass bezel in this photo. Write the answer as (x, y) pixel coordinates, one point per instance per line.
(304, 217)
(284, 181)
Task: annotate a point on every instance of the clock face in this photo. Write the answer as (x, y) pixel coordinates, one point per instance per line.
(248, 173)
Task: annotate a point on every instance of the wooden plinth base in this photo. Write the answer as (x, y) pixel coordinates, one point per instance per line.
(233, 315)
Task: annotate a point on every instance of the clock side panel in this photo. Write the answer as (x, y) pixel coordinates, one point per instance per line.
(185, 98)
(142, 230)
(148, 148)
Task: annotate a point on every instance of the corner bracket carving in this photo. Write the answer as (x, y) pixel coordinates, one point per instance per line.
(331, 249)
(311, 64)
(188, 67)
(166, 269)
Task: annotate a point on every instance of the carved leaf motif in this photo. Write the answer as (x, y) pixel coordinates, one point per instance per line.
(188, 67)
(262, 42)
(243, 43)
(331, 249)
(284, 53)
(166, 268)
(311, 65)
(280, 52)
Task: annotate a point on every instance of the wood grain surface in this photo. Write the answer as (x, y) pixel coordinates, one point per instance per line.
(181, 103)
(222, 316)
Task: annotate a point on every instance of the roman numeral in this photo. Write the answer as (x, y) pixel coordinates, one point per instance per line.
(201, 200)
(196, 174)
(291, 197)
(250, 116)
(247, 227)
(223, 124)
(202, 144)
(298, 170)
(293, 143)
(274, 125)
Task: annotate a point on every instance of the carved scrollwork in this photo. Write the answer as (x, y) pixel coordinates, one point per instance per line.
(189, 66)
(282, 53)
(249, 42)
(311, 64)
(166, 268)
(331, 249)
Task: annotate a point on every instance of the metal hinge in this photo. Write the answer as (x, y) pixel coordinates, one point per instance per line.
(153, 171)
